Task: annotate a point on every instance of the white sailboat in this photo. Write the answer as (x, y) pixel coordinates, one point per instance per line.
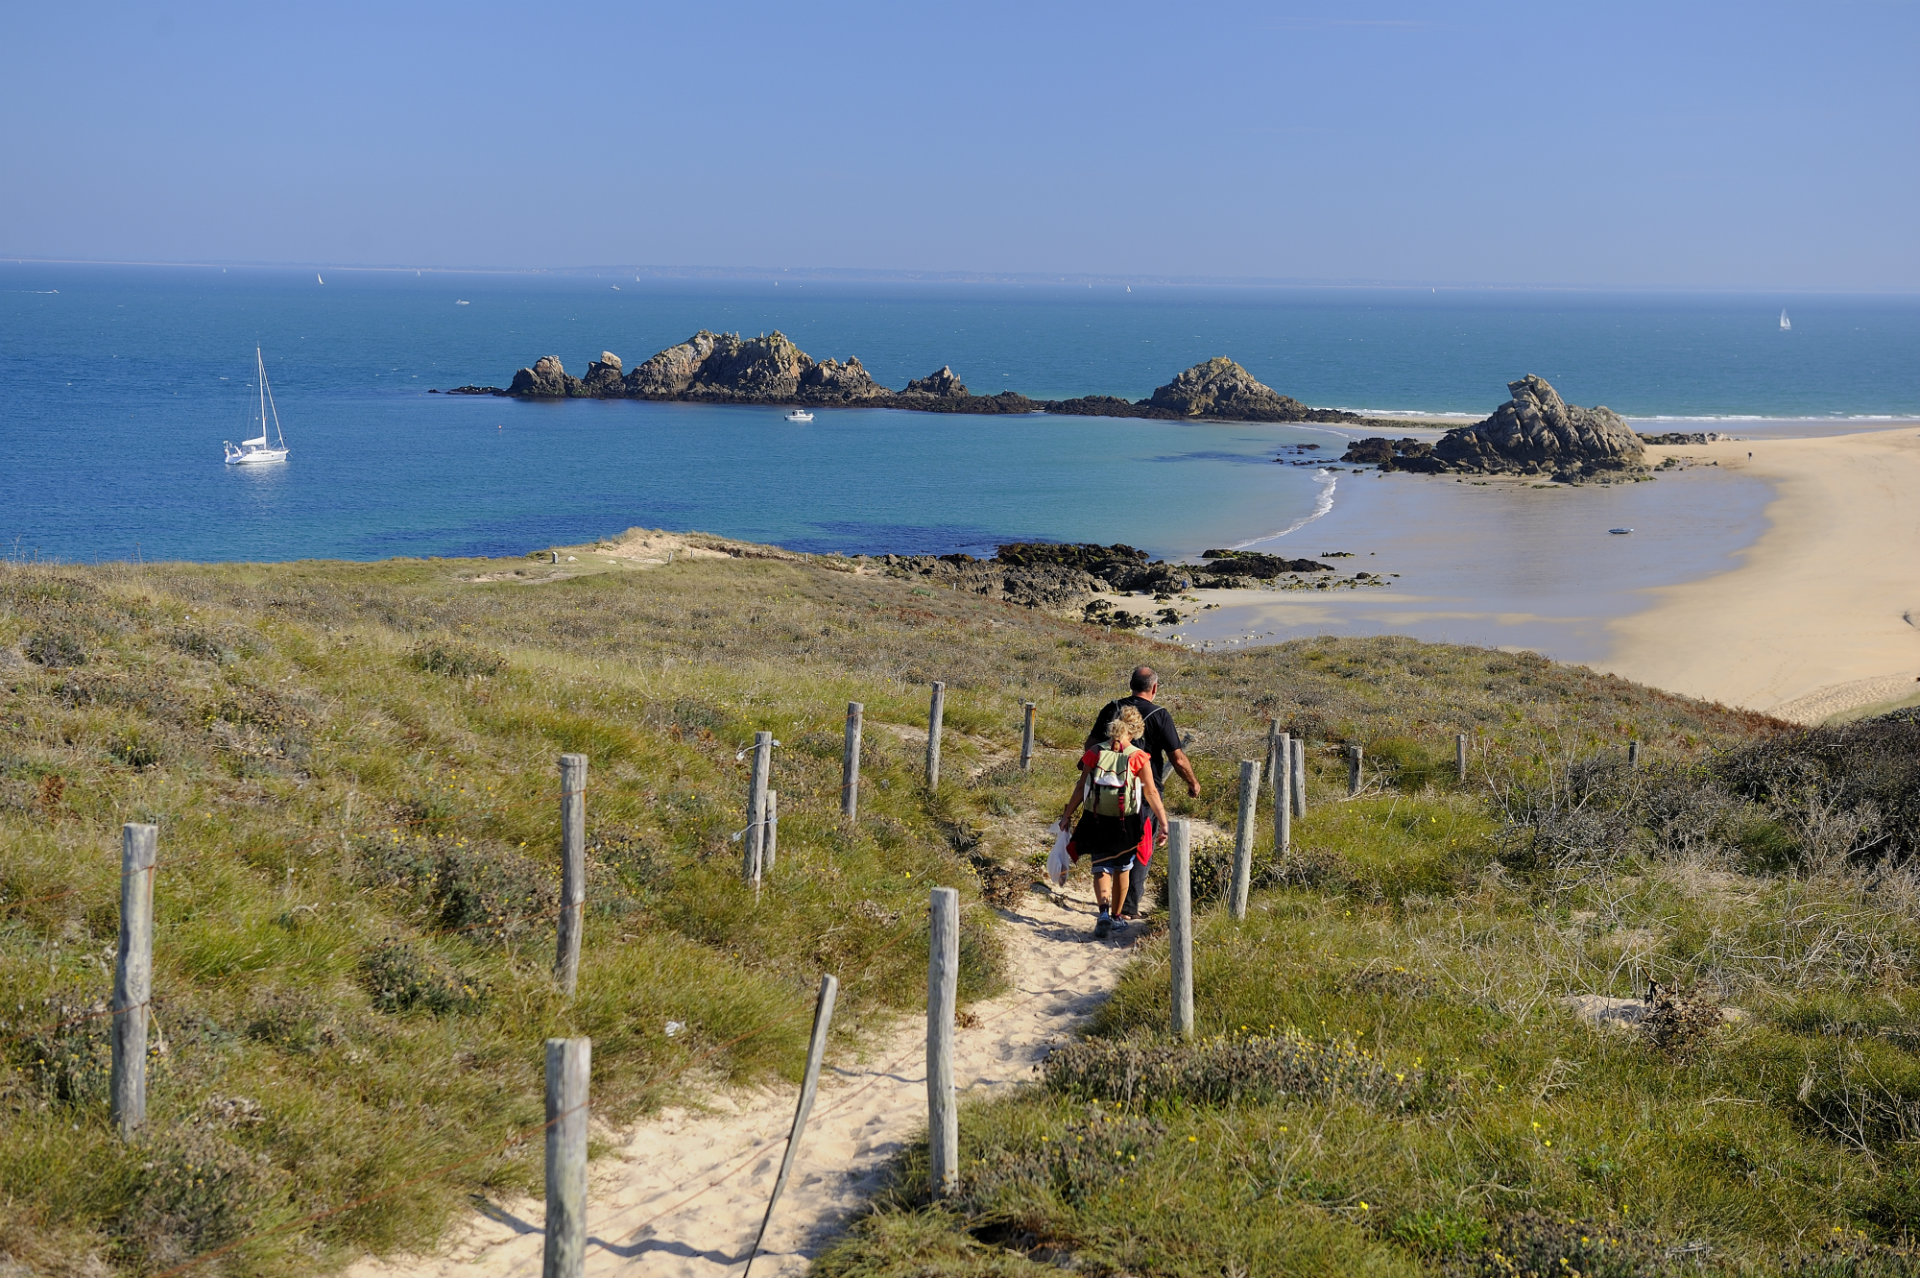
(251, 452)
(1785, 323)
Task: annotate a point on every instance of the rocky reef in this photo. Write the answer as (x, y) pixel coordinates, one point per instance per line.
(1064, 577)
(1534, 433)
(771, 369)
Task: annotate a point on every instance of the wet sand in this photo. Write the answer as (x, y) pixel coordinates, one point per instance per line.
(1775, 584)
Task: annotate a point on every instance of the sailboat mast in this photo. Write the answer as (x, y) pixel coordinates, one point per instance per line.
(260, 364)
(272, 407)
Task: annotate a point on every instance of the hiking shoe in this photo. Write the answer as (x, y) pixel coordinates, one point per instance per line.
(1102, 926)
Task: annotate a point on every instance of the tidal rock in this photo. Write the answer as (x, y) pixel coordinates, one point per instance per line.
(1253, 563)
(940, 384)
(1391, 454)
(1685, 437)
(603, 378)
(668, 374)
(1100, 406)
(1221, 388)
(834, 382)
(547, 379)
(1538, 433)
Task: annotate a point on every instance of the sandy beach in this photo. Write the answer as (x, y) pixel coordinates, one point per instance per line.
(1822, 616)
(1785, 582)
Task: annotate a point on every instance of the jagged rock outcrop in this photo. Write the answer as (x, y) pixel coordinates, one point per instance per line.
(668, 374)
(1538, 433)
(603, 377)
(943, 383)
(831, 381)
(765, 368)
(1221, 388)
(1063, 576)
(547, 379)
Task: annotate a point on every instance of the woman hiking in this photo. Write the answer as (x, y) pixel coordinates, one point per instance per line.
(1117, 787)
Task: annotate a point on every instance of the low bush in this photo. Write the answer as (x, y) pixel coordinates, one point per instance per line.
(455, 659)
(402, 975)
(1228, 1069)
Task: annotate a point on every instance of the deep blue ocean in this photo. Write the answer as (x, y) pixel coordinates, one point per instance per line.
(118, 385)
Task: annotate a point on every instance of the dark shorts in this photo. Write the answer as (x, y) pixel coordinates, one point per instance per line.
(1108, 844)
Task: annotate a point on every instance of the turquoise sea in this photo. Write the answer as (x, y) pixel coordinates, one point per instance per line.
(118, 384)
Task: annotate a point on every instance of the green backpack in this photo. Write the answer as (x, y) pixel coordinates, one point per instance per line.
(1112, 788)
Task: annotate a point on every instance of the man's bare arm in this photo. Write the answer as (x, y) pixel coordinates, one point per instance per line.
(1184, 767)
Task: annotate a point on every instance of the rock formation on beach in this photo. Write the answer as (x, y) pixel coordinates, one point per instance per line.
(770, 369)
(1533, 433)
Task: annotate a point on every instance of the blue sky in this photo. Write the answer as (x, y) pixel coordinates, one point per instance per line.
(1668, 144)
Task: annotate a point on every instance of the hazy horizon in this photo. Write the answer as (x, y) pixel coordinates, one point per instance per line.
(1753, 147)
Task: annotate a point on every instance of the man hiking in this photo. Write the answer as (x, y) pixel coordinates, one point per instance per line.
(1161, 741)
(1117, 790)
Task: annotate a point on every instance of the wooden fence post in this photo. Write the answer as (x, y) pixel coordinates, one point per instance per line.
(943, 979)
(936, 718)
(809, 1085)
(133, 977)
(1243, 837)
(573, 869)
(1283, 803)
(850, 764)
(1026, 737)
(1299, 776)
(1633, 754)
(1276, 758)
(1354, 754)
(752, 858)
(773, 828)
(569, 1062)
(1460, 755)
(1180, 922)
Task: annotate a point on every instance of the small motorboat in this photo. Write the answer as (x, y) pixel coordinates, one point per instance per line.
(799, 415)
(1619, 532)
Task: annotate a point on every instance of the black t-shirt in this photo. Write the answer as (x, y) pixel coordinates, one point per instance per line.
(1160, 739)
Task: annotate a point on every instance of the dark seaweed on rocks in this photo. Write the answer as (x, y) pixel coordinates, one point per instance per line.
(1064, 575)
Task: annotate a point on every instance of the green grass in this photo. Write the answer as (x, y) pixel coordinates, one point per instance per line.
(1517, 1136)
(353, 771)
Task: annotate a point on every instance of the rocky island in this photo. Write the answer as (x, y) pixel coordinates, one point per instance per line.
(1534, 433)
(725, 368)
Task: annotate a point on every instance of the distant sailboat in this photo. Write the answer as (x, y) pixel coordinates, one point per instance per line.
(1785, 323)
(255, 450)
(317, 279)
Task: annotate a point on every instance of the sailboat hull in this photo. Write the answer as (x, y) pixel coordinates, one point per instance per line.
(255, 456)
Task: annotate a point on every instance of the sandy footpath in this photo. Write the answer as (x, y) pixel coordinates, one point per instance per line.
(1823, 613)
(687, 1189)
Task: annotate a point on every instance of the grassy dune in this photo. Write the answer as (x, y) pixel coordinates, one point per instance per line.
(353, 770)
